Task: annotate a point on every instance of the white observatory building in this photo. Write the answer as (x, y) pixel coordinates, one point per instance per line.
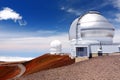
(92, 33)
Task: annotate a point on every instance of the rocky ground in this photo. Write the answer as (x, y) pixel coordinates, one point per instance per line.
(100, 68)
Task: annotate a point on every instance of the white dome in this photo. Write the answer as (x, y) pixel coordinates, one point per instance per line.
(92, 26)
(92, 16)
(55, 47)
(94, 20)
(55, 43)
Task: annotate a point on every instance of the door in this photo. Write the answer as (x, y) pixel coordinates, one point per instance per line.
(81, 51)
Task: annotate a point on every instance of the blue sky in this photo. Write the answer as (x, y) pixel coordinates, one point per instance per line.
(33, 24)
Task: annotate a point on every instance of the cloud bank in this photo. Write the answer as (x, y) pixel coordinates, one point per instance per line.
(9, 14)
(36, 43)
(14, 59)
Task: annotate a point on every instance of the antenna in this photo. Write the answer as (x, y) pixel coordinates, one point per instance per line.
(100, 45)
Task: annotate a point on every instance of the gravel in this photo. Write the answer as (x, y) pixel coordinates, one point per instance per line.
(99, 68)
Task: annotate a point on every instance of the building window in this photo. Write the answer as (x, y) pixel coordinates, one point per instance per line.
(80, 49)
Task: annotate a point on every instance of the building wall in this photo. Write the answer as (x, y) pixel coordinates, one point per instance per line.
(111, 48)
(105, 48)
(73, 49)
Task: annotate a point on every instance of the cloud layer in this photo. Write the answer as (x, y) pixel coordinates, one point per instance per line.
(14, 59)
(36, 43)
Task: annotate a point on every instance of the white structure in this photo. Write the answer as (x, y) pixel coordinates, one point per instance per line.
(55, 47)
(90, 33)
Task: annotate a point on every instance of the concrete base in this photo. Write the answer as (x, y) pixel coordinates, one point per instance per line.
(114, 54)
(94, 55)
(104, 54)
(78, 59)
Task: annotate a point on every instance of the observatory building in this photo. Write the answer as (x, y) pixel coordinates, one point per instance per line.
(92, 33)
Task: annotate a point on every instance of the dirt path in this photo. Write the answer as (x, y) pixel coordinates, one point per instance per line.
(22, 68)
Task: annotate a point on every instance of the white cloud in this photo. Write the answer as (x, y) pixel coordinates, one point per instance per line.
(14, 59)
(117, 19)
(44, 32)
(8, 13)
(38, 33)
(116, 3)
(22, 22)
(71, 10)
(62, 8)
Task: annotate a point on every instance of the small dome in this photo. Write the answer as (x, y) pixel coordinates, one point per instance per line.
(55, 43)
(55, 47)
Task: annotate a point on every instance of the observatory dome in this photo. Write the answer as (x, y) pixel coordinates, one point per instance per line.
(55, 47)
(55, 43)
(92, 26)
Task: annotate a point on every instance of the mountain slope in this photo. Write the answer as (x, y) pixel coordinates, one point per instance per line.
(8, 72)
(47, 61)
(99, 68)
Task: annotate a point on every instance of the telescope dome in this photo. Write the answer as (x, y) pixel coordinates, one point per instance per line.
(55, 47)
(55, 43)
(92, 26)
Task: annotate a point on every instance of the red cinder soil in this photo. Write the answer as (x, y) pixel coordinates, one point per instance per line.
(8, 72)
(47, 61)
